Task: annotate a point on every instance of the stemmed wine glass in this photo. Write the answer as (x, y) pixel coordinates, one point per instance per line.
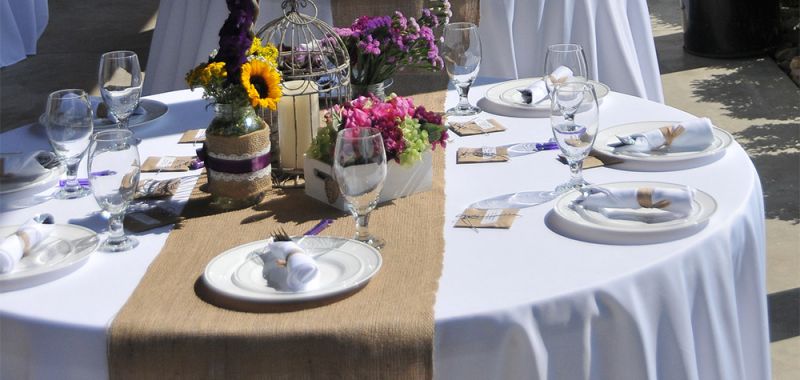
(574, 117)
(461, 52)
(567, 55)
(68, 121)
(114, 153)
(120, 79)
(359, 167)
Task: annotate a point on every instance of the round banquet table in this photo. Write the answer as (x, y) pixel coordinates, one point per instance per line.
(520, 303)
(22, 22)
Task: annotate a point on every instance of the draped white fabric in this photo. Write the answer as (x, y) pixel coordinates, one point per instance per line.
(22, 22)
(188, 30)
(523, 303)
(616, 37)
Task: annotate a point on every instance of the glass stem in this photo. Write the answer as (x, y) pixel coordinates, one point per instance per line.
(576, 168)
(463, 95)
(72, 183)
(362, 234)
(116, 232)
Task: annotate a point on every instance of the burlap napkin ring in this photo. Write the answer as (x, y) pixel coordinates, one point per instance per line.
(671, 133)
(644, 196)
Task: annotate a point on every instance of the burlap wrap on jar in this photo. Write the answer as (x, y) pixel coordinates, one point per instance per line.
(239, 166)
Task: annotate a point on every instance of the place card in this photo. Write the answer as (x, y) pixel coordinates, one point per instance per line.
(152, 218)
(487, 218)
(479, 155)
(476, 127)
(153, 189)
(193, 136)
(592, 161)
(167, 164)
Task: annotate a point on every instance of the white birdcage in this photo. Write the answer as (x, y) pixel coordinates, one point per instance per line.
(315, 70)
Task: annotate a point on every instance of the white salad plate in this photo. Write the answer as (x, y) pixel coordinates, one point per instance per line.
(16, 195)
(505, 99)
(65, 249)
(645, 226)
(665, 159)
(344, 265)
(147, 111)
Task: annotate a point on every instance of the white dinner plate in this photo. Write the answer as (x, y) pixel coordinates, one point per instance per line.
(505, 99)
(66, 249)
(663, 159)
(344, 265)
(587, 225)
(18, 195)
(148, 111)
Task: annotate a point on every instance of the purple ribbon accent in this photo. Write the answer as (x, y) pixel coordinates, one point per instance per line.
(319, 227)
(234, 166)
(547, 146)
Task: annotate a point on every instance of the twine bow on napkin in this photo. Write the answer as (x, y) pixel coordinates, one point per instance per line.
(664, 204)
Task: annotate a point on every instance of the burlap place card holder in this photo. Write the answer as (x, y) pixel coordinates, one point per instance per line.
(592, 161)
(193, 136)
(152, 218)
(476, 127)
(167, 164)
(479, 155)
(483, 218)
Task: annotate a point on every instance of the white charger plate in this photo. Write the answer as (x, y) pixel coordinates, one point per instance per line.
(149, 110)
(660, 160)
(587, 225)
(344, 265)
(66, 249)
(505, 99)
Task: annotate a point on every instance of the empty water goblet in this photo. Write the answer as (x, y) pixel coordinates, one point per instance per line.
(120, 79)
(574, 118)
(359, 167)
(461, 52)
(114, 168)
(68, 122)
(570, 56)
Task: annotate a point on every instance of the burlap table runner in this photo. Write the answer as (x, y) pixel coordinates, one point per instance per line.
(170, 327)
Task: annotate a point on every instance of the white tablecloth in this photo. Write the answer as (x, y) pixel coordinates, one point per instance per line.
(615, 35)
(22, 22)
(519, 303)
(188, 30)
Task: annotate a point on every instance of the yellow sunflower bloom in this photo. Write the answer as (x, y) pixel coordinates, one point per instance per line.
(262, 83)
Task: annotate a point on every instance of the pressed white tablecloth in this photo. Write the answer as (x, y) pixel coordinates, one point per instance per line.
(615, 35)
(519, 303)
(22, 22)
(188, 30)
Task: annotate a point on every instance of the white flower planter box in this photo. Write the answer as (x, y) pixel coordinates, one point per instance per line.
(401, 181)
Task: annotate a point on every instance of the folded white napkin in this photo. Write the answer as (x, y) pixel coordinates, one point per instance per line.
(22, 167)
(674, 202)
(695, 134)
(538, 90)
(288, 268)
(21, 242)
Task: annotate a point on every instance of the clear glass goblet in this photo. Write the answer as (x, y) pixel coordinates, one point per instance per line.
(114, 154)
(359, 167)
(68, 121)
(574, 118)
(120, 79)
(461, 52)
(567, 55)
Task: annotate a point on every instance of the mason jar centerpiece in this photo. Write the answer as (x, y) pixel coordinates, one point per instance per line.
(239, 77)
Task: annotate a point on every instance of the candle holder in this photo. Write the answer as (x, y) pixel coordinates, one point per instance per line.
(315, 67)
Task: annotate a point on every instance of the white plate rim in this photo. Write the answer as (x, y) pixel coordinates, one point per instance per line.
(152, 106)
(52, 175)
(41, 275)
(284, 297)
(495, 94)
(572, 224)
(604, 134)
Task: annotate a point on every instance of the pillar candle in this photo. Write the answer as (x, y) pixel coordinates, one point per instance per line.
(298, 121)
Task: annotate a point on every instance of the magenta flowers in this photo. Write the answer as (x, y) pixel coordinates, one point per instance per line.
(380, 45)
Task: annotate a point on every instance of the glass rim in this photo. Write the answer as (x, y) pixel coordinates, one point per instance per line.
(119, 54)
(73, 91)
(565, 48)
(372, 133)
(121, 134)
(461, 25)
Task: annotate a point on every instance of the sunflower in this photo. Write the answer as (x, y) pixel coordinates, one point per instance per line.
(262, 83)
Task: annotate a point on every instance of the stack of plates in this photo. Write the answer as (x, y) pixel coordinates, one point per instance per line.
(505, 99)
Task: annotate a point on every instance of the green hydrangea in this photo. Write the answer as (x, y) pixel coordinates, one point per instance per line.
(416, 140)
